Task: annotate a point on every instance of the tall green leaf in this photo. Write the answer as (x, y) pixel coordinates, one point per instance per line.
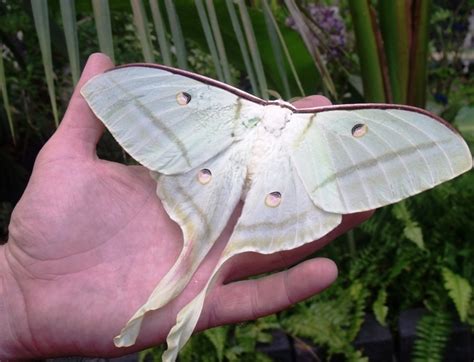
(276, 47)
(412, 231)
(379, 307)
(143, 33)
(219, 42)
(253, 46)
(432, 335)
(394, 20)
(40, 15)
(209, 38)
(276, 28)
(419, 54)
(459, 290)
(243, 46)
(6, 101)
(177, 34)
(104, 27)
(304, 31)
(370, 65)
(160, 29)
(68, 14)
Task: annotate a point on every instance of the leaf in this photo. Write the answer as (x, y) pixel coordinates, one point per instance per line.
(380, 308)
(459, 290)
(141, 27)
(367, 50)
(413, 233)
(177, 34)
(432, 334)
(464, 120)
(218, 336)
(243, 46)
(160, 32)
(68, 14)
(276, 47)
(209, 38)
(219, 42)
(3, 90)
(285, 49)
(41, 18)
(104, 27)
(253, 46)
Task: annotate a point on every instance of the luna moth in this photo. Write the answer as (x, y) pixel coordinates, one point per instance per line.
(209, 145)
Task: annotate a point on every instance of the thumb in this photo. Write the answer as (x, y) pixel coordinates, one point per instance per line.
(80, 130)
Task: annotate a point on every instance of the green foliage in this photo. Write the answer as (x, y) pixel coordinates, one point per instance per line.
(227, 343)
(459, 290)
(411, 230)
(332, 320)
(432, 336)
(380, 308)
(401, 254)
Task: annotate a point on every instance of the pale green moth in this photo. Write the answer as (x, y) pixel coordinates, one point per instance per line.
(210, 145)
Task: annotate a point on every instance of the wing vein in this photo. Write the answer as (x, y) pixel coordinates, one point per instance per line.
(443, 151)
(415, 146)
(323, 129)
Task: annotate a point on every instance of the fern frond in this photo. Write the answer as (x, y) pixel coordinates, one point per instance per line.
(333, 323)
(459, 290)
(432, 333)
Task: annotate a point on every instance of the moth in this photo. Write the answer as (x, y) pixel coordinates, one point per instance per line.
(210, 145)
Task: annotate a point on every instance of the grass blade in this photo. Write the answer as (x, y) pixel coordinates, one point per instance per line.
(104, 27)
(419, 53)
(141, 26)
(40, 15)
(219, 42)
(255, 53)
(209, 39)
(367, 50)
(6, 101)
(165, 49)
(68, 14)
(276, 47)
(243, 46)
(394, 24)
(286, 51)
(304, 31)
(177, 34)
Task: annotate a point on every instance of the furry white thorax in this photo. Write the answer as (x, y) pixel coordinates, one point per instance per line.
(275, 118)
(266, 143)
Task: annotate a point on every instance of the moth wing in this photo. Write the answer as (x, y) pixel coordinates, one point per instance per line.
(394, 153)
(278, 213)
(201, 203)
(167, 120)
(266, 225)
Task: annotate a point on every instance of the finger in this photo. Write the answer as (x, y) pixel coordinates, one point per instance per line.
(312, 101)
(96, 64)
(252, 299)
(79, 125)
(245, 265)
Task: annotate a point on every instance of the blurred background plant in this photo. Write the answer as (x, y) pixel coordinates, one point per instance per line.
(417, 253)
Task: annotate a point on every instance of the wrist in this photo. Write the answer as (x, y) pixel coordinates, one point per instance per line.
(11, 302)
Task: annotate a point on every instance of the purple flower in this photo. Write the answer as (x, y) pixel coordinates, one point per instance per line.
(332, 29)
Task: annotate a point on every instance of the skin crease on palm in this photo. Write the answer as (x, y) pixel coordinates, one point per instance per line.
(89, 240)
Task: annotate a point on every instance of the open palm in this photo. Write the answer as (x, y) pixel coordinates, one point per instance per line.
(89, 240)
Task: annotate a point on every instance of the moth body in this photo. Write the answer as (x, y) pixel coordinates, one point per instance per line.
(275, 118)
(268, 141)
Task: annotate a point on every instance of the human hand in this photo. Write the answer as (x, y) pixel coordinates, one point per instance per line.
(89, 240)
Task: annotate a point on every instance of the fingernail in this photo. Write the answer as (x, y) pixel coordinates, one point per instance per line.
(98, 55)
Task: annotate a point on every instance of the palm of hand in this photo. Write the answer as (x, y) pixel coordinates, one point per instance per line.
(88, 227)
(89, 240)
